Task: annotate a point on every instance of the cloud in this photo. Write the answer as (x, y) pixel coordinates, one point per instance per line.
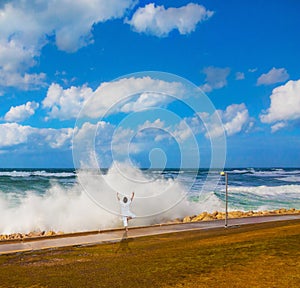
(155, 124)
(103, 142)
(33, 23)
(122, 143)
(14, 56)
(109, 97)
(119, 143)
(154, 130)
(252, 70)
(145, 100)
(21, 113)
(65, 104)
(239, 76)
(285, 105)
(273, 76)
(24, 81)
(181, 131)
(14, 60)
(159, 21)
(56, 138)
(278, 126)
(94, 140)
(235, 118)
(188, 127)
(216, 78)
(139, 139)
(90, 13)
(12, 134)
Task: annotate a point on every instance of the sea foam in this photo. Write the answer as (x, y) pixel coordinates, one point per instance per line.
(91, 203)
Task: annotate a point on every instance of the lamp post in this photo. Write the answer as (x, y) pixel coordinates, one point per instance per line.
(226, 197)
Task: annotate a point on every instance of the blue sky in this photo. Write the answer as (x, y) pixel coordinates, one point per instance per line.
(55, 55)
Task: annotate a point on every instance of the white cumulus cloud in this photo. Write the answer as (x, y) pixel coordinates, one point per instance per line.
(14, 56)
(12, 134)
(181, 131)
(273, 76)
(151, 90)
(155, 124)
(94, 140)
(14, 60)
(26, 81)
(21, 113)
(285, 105)
(145, 100)
(57, 138)
(153, 130)
(235, 118)
(216, 78)
(188, 127)
(25, 27)
(65, 103)
(159, 21)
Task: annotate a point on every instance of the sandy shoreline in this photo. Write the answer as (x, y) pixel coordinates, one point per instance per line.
(204, 216)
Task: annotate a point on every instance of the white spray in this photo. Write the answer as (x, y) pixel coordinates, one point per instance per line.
(91, 204)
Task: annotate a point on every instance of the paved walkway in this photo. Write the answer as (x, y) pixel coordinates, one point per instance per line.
(92, 238)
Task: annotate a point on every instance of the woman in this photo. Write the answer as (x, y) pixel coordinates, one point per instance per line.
(125, 209)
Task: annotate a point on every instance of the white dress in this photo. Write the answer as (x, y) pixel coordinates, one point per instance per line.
(125, 211)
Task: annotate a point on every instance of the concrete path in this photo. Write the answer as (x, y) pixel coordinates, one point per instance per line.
(98, 237)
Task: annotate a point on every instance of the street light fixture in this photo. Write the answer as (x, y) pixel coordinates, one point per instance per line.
(226, 197)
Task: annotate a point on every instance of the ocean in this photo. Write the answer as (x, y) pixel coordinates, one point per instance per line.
(63, 200)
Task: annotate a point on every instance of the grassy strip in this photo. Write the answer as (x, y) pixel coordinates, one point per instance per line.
(260, 255)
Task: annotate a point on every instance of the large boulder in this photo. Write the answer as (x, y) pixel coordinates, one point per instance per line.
(199, 217)
(186, 219)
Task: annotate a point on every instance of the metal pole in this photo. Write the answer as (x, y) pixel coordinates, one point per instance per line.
(226, 200)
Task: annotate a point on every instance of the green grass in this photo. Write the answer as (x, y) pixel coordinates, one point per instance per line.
(261, 255)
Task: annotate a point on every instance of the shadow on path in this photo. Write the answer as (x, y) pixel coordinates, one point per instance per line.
(124, 244)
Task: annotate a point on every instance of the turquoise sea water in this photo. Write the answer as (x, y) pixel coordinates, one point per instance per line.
(248, 188)
(34, 198)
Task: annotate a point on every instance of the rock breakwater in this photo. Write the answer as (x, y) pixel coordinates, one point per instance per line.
(204, 216)
(217, 215)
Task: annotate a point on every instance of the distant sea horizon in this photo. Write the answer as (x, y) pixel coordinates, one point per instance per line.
(158, 168)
